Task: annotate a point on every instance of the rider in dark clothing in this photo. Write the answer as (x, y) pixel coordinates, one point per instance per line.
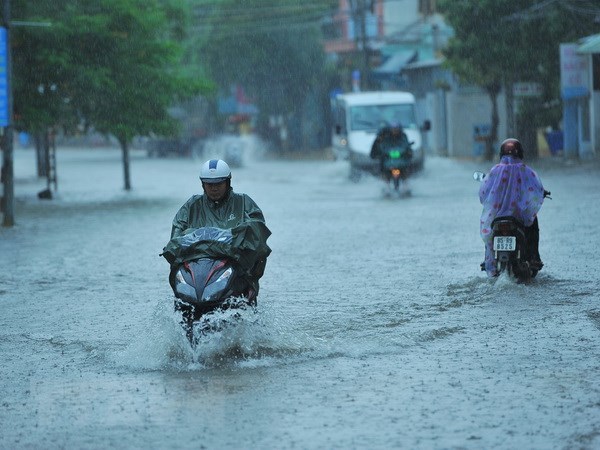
(391, 137)
(220, 207)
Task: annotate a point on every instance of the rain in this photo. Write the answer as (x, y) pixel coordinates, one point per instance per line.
(374, 326)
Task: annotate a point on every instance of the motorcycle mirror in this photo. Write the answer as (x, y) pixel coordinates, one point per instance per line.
(478, 176)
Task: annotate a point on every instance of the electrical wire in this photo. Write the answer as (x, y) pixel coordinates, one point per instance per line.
(541, 9)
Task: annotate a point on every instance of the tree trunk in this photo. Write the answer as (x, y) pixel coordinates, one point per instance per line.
(528, 137)
(7, 202)
(493, 137)
(42, 168)
(46, 140)
(511, 127)
(125, 150)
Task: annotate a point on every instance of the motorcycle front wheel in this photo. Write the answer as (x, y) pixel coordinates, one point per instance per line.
(502, 267)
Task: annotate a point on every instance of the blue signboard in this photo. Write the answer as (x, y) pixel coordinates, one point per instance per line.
(4, 113)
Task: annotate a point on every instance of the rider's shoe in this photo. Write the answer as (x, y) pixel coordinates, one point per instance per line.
(536, 264)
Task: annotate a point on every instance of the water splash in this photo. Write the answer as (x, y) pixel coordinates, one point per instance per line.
(235, 150)
(241, 337)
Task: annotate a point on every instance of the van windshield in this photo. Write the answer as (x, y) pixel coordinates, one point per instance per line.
(373, 117)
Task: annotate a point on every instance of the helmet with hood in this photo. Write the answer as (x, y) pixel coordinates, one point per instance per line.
(511, 146)
(215, 171)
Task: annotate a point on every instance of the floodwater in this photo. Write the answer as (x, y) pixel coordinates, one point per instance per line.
(375, 328)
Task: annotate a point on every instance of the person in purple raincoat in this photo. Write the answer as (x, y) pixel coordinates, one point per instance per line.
(511, 189)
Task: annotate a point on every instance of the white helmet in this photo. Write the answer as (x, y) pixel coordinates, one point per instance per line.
(215, 171)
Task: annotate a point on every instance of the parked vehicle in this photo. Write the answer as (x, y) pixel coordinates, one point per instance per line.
(358, 117)
(167, 147)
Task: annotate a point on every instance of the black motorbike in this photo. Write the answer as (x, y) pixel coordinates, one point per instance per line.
(513, 252)
(208, 284)
(396, 169)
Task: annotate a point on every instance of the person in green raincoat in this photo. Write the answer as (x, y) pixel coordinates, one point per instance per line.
(223, 208)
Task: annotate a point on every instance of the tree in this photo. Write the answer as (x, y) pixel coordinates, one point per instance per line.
(499, 43)
(38, 103)
(110, 64)
(272, 48)
(126, 58)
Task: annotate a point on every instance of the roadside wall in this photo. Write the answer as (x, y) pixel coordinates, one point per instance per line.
(464, 111)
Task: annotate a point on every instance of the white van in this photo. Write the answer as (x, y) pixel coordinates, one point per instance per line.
(358, 116)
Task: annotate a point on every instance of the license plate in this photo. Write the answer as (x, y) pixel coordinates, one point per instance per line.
(505, 243)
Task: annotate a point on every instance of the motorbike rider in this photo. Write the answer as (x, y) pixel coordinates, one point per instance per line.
(511, 189)
(391, 137)
(219, 207)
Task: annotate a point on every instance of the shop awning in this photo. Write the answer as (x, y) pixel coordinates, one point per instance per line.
(395, 63)
(590, 44)
(230, 105)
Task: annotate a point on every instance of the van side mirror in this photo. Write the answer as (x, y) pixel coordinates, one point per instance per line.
(426, 125)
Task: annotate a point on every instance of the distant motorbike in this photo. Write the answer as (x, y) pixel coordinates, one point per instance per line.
(208, 284)
(511, 249)
(396, 169)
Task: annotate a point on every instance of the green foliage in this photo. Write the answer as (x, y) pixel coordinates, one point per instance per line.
(272, 47)
(37, 96)
(113, 64)
(483, 48)
(497, 43)
(514, 40)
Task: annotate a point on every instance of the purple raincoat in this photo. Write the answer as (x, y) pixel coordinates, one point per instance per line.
(510, 189)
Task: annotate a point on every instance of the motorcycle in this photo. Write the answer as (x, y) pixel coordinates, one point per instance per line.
(512, 251)
(208, 282)
(396, 169)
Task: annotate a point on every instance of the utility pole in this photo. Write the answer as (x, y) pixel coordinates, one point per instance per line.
(365, 47)
(359, 18)
(7, 200)
(6, 122)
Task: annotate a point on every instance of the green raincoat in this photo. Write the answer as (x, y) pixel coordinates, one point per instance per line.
(237, 213)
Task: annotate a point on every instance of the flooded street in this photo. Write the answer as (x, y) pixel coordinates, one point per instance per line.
(375, 328)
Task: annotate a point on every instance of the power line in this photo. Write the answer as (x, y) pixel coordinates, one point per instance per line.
(541, 10)
(243, 21)
(272, 17)
(587, 10)
(258, 27)
(282, 9)
(251, 29)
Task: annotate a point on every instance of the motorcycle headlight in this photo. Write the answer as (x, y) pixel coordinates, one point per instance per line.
(179, 277)
(225, 275)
